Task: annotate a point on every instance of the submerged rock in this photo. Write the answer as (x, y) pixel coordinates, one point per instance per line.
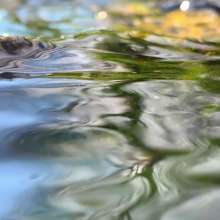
(21, 46)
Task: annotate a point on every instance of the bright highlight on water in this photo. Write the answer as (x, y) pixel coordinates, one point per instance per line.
(185, 5)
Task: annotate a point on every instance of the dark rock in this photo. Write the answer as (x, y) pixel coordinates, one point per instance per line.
(21, 45)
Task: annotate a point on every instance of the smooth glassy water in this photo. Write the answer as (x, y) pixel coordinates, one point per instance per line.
(112, 112)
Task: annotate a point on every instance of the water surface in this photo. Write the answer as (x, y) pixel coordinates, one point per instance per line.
(116, 120)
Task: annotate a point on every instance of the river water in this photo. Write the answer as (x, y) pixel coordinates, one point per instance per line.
(117, 118)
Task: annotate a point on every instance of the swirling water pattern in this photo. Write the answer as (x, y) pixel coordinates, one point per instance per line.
(108, 126)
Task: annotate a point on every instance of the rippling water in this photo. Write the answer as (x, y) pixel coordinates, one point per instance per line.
(106, 123)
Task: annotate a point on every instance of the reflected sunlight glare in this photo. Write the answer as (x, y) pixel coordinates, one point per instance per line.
(185, 5)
